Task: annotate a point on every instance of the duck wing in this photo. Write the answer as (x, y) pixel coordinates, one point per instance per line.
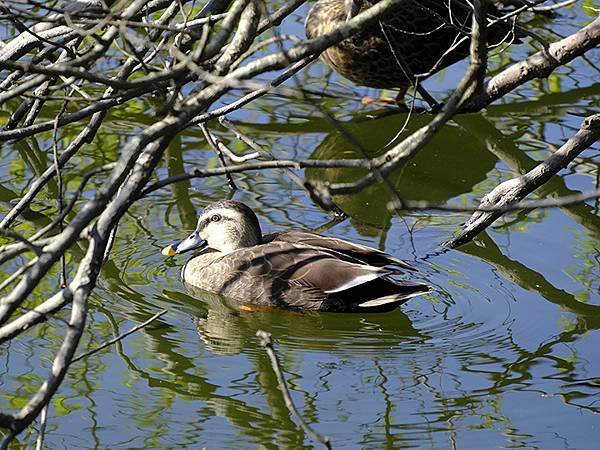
(317, 278)
(304, 266)
(358, 252)
(280, 273)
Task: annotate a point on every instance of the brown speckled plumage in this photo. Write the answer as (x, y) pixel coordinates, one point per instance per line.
(296, 269)
(420, 34)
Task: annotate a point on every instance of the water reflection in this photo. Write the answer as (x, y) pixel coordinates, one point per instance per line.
(179, 376)
(527, 278)
(432, 173)
(227, 327)
(502, 354)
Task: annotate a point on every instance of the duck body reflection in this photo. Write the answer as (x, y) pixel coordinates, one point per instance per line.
(293, 269)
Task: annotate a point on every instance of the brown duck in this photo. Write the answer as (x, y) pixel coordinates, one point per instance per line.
(296, 269)
(417, 39)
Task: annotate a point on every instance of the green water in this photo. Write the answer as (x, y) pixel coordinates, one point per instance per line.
(502, 354)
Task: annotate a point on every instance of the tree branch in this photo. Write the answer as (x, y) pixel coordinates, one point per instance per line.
(517, 188)
(538, 65)
(267, 343)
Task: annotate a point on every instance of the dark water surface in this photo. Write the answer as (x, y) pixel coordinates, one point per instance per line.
(504, 353)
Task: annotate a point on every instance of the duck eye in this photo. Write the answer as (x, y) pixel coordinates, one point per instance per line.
(215, 218)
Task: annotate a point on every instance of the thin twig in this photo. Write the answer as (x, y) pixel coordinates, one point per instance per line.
(17, 273)
(59, 182)
(211, 141)
(554, 7)
(267, 343)
(16, 236)
(120, 337)
(39, 445)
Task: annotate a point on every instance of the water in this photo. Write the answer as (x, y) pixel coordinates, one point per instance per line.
(502, 354)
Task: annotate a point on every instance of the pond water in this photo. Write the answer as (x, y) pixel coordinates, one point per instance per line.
(503, 353)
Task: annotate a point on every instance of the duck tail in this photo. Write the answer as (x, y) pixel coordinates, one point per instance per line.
(405, 291)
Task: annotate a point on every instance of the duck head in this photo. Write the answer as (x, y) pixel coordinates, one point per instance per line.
(224, 226)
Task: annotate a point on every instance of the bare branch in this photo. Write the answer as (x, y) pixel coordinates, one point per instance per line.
(515, 189)
(267, 343)
(215, 145)
(539, 65)
(132, 49)
(120, 337)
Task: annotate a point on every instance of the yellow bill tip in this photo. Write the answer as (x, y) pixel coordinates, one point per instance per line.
(169, 251)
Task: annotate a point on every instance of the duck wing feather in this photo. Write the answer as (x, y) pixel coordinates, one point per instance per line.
(304, 266)
(351, 250)
(280, 273)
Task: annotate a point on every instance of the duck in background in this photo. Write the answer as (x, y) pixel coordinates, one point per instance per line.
(415, 40)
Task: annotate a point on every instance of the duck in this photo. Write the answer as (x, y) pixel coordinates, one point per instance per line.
(289, 269)
(411, 43)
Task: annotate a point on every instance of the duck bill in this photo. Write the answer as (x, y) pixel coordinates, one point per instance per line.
(192, 242)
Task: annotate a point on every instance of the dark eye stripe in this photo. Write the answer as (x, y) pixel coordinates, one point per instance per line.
(202, 224)
(206, 221)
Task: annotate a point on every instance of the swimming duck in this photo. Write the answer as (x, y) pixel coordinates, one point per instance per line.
(415, 40)
(295, 269)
